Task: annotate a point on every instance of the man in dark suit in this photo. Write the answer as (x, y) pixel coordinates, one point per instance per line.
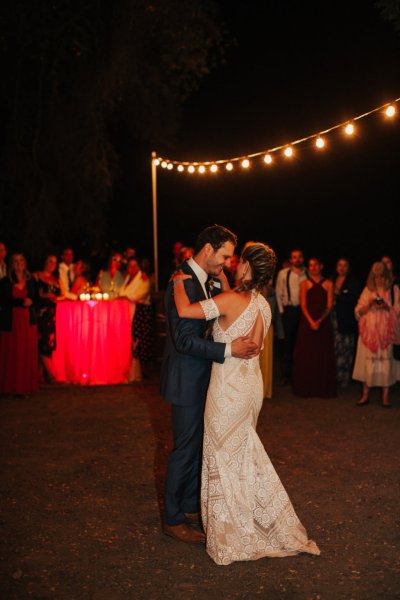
(185, 376)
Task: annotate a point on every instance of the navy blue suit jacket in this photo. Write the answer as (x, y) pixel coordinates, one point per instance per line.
(186, 367)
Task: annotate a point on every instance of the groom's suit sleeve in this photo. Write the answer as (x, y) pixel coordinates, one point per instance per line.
(185, 332)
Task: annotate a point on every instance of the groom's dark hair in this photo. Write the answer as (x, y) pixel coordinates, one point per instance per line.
(216, 235)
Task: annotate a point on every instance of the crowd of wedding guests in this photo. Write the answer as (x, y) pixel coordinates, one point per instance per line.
(28, 305)
(339, 329)
(332, 329)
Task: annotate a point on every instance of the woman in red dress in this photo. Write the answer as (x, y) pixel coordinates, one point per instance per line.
(314, 372)
(19, 373)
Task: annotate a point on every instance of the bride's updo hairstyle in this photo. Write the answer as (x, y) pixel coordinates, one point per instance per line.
(262, 260)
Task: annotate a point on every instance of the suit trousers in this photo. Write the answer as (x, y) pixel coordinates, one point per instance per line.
(182, 489)
(290, 321)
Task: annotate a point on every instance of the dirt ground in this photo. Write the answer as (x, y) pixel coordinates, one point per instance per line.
(81, 491)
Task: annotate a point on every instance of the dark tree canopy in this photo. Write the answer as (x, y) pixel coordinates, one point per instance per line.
(73, 72)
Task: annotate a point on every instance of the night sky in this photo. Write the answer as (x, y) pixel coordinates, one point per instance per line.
(293, 71)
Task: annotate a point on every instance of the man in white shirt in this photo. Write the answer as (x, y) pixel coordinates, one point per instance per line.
(3, 254)
(287, 290)
(67, 273)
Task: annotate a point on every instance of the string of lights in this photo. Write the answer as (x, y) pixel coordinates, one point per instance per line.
(268, 156)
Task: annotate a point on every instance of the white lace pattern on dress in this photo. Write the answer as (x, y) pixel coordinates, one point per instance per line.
(246, 511)
(210, 309)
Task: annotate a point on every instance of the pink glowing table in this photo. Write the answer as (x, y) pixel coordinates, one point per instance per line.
(93, 342)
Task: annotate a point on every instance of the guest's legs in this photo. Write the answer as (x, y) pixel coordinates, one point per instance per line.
(290, 322)
(385, 396)
(364, 396)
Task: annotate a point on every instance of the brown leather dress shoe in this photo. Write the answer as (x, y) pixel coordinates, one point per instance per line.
(193, 518)
(184, 533)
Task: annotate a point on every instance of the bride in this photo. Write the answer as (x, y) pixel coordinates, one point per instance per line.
(245, 509)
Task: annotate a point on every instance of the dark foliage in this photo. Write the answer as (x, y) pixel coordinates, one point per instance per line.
(74, 72)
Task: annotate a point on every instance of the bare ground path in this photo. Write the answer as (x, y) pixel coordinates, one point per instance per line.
(82, 478)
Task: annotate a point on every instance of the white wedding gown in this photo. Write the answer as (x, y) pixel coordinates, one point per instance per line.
(245, 509)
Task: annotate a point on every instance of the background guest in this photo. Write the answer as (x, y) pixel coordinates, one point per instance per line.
(67, 273)
(82, 277)
(346, 292)
(19, 372)
(111, 279)
(378, 328)
(49, 289)
(314, 372)
(287, 291)
(185, 253)
(3, 254)
(136, 288)
(129, 252)
(171, 266)
(230, 271)
(387, 261)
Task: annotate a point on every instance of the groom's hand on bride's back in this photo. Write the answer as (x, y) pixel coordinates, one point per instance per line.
(243, 347)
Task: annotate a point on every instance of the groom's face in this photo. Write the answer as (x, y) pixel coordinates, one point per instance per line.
(217, 259)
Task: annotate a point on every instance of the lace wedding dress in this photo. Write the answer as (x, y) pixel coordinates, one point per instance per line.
(245, 509)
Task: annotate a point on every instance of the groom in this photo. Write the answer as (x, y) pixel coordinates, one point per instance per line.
(185, 376)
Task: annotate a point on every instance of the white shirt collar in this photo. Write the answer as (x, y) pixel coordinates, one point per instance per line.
(200, 273)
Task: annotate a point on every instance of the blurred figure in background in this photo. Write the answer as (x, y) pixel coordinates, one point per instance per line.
(67, 273)
(287, 291)
(387, 261)
(128, 253)
(314, 369)
(3, 254)
(19, 372)
(185, 253)
(230, 271)
(136, 288)
(345, 292)
(49, 289)
(110, 280)
(172, 264)
(82, 277)
(378, 326)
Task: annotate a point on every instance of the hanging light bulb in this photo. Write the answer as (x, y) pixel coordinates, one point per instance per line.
(320, 142)
(390, 111)
(181, 168)
(191, 169)
(245, 163)
(288, 152)
(156, 162)
(170, 166)
(268, 159)
(164, 164)
(202, 169)
(349, 129)
(229, 166)
(214, 168)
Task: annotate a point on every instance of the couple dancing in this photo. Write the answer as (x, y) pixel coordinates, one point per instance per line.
(245, 511)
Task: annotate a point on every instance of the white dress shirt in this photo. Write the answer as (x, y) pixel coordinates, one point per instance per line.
(202, 276)
(281, 288)
(67, 276)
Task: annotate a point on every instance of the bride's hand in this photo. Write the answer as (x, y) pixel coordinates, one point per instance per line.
(224, 281)
(179, 276)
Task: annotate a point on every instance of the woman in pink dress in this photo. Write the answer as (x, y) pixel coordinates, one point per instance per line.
(19, 372)
(314, 372)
